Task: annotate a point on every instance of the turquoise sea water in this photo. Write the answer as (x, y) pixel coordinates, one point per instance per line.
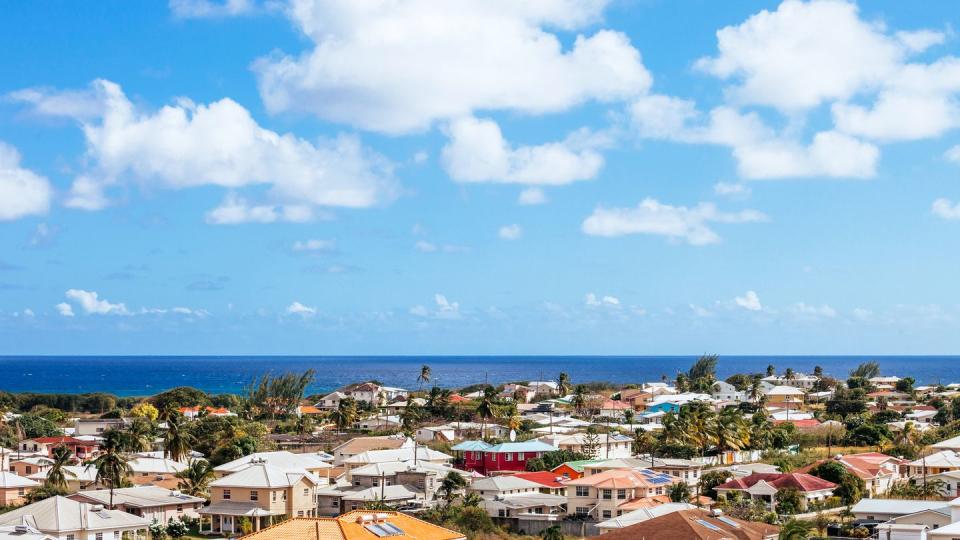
(144, 375)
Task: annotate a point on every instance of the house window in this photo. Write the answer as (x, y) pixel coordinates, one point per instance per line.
(20, 492)
(335, 504)
(29, 469)
(99, 536)
(179, 508)
(583, 491)
(508, 457)
(273, 496)
(116, 534)
(621, 494)
(582, 510)
(607, 494)
(70, 537)
(299, 513)
(306, 492)
(226, 494)
(501, 513)
(519, 456)
(607, 514)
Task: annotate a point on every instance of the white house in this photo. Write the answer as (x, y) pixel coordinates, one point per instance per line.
(608, 445)
(725, 391)
(65, 519)
(150, 502)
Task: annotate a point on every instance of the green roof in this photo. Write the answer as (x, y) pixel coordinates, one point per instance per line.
(579, 464)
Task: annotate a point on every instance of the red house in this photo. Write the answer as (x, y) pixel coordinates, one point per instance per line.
(44, 445)
(486, 458)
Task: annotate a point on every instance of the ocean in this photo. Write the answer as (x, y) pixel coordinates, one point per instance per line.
(147, 375)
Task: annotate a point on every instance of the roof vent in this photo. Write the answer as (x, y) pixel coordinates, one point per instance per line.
(96, 508)
(716, 512)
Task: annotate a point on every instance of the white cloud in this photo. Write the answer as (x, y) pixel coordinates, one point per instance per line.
(29, 313)
(200, 313)
(700, 311)
(675, 222)
(91, 303)
(532, 196)
(591, 300)
(749, 301)
(953, 154)
(429, 247)
(65, 309)
(198, 9)
(424, 247)
(728, 189)
(803, 54)
(945, 209)
(443, 309)
(809, 311)
(920, 40)
(510, 232)
(862, 314)
(188, 145)
(760, 151)
(313, 245)
(399, 66)
(477, 152)
(22, 192)
(297, 308)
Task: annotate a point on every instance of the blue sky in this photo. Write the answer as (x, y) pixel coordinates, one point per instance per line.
(414, 177)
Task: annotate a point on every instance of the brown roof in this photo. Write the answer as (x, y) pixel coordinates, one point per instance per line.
(363, 444)
(801, 481)
(689, 525)
(351, 526)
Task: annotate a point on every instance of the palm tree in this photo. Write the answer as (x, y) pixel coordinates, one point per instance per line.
(139, 436)
(756, 390)
(438, 402)
(345, 413)
(554, 532)
(795, 530)
(628, 416)
(487, 408)
(471, 500)
(788, 374)
(304, 425)
(112, 466)
(450, 485)
(679, 492)
(579, 400)
(196, 478)
(58, 472)
(177, 443)
(424, 375)
(563, 384)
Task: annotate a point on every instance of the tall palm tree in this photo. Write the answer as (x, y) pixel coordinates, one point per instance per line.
(112, 466)
(795, 530)
(563, 384)
(139, 436)
(424, 376)
(554, 532)
(196, 478)
(58, 472)
(452, 483)
(345, 413)
(579, 400)
(756, 390)
(487, 408)
(177, 443)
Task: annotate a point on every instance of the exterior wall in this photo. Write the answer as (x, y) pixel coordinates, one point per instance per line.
(165, 513)
(302, 500)
(689, 475)
(567, 472)
(26, 469)
(605, 501)
(14, 496)
(507, 461)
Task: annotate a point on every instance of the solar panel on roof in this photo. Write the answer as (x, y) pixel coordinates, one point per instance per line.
(729, 521)
(709, 525)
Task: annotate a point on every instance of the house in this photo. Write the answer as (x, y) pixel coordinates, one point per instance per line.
(882, 510)
(550, 484)
(14, 489)
(486, 458)
(397, 407)
(79, 477)
(514, 499)
(379, 422)
(725, 391)
(951, 531)
(920, 416)
(949, 444)
(330, 401)
(83, 450)
(65, 519)
(192, 413)
(287, 462)
(261, 493)
(797, 380)
(685, 470)
(155, 471)
(936, 463)
(5, 455)
(358, 445)
(423, 477)
(787, 397)
(571, 470)
(614, 409)
(455, 431)
(96, 426)
(411, 454)
(878, 471)
(22, 532)
(694, 524)
(373, 393)
(606, 445)
(615, 492)
(150, 502)
(359, 525)
(951, 482)
(638, 398)
(30, 465)
(764, 487)
(334, 500)
(641, 515)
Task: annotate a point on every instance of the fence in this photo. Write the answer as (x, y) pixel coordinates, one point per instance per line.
(533, 527)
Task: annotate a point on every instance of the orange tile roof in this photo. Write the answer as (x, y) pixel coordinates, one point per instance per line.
(309, 409)
(622, 479)
(350, 526)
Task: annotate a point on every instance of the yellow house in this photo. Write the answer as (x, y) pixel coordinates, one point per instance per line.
(14, 489)
(257, 497)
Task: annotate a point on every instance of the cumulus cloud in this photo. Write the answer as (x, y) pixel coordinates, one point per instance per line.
(749, 301)
(399, 66)
(477, 152)
(953, 154)
(442, 309)
(22, 192)
(675, 222)
(199, 9)
(532, 196)
(424, 246)
(810, 311)
(946, 209)
(510, 232)
(187, 145)
(761, 152)
(728, 189)
(296, 308)
(65, 309)
(592, 300)
(91, 303)
(313, 245)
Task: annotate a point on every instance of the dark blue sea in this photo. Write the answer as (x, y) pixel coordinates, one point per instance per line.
(146, 375)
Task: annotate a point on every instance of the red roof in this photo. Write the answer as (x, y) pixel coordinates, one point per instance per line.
(61, 440)
(457, 398)
(801, 481)
(805, 423)
(544, 478)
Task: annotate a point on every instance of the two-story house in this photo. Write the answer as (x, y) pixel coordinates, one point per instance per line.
(65, 519)
(14, 489)
(615, 492)
(81, 449)
(487, 458)
(150, 502)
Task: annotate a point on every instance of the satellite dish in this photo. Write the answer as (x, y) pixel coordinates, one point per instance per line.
(513, 435)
